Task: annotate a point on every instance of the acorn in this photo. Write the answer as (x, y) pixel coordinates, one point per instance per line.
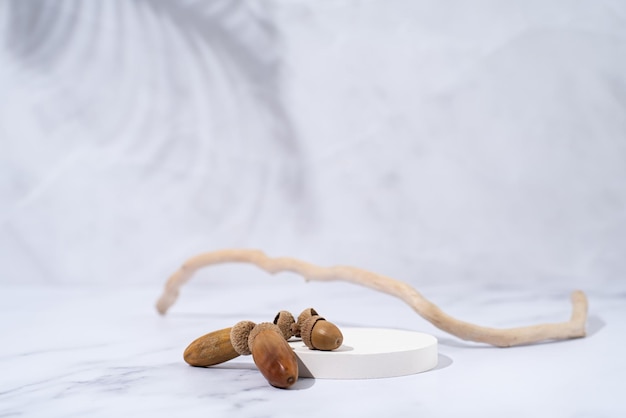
(319, 334)
(273, 356)
(286, 323)
(210, 349)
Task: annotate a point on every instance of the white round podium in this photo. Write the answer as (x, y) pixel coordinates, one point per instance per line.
(369, 353)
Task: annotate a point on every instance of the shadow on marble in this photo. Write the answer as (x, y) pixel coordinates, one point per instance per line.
(301, 384)
(452, 342)
(443, 361)
(594, 325)
(484, 346)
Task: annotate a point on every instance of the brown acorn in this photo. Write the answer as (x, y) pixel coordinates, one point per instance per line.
(273, 355)
(210, 349)
(319, 334)
(286, 323)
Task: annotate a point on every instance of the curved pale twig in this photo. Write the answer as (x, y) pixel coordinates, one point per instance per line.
(574, 328)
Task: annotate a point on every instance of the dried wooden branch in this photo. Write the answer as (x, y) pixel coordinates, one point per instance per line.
(574, 328)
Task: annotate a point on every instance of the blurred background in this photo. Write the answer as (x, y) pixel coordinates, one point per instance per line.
(432, 141)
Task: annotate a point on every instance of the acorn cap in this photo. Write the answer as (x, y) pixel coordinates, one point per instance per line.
(284, 320)
(239, 337)
(306, 314)
(306, 330)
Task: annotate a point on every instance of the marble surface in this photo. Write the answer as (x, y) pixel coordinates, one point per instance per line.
(104, 351)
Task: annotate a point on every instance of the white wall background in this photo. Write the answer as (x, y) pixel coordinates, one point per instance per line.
(428, 140)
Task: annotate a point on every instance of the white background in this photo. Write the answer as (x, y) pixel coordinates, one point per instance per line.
(432, 141)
